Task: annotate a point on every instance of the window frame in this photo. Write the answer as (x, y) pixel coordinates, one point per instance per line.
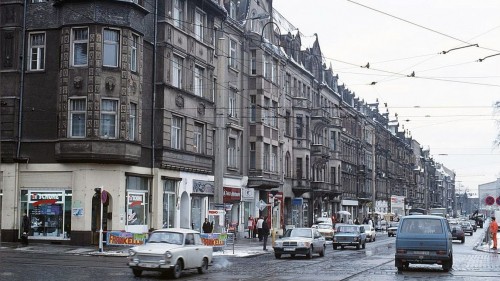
(134, 44)
(231, 152)
(198, 137)
(177, 71)
(176, 132)
(72, 112)
(178, 8)
(75, 42)
(199, 24)
(233, 53)
(40, 53)
(116, 46)
(232, 102)
(132, 125)
(104, 113)
(199, 73)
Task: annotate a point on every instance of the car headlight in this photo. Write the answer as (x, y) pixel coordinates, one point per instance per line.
(356, 239)
(168, 254)
(278, 244)
(131, 253)
(304, 244)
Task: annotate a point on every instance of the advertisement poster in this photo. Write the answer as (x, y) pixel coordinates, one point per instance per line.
(214, 239)
(126, 238)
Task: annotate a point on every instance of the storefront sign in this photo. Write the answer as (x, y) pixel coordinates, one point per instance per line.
(214, 239)
(135, 199)
(349, 202)
(247, 193)
(231, 194)
(126, 238)
(77, 212)
(203, 187)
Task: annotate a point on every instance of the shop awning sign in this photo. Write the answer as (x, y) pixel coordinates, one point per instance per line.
(45, 202)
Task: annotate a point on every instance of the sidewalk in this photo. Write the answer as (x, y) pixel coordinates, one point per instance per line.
(242, 248)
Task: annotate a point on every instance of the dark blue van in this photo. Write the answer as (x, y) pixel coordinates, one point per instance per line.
(424, 239)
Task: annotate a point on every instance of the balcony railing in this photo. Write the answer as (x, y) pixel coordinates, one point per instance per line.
(320, 150)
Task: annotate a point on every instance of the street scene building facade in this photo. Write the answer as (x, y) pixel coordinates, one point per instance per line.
(170, 112)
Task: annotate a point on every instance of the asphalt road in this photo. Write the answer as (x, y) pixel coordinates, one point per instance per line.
(376, 262)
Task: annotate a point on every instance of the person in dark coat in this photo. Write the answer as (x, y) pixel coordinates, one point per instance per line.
(207, 226)
(265, 233)
(26, 229)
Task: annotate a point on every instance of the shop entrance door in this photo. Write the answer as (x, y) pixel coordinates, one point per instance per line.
(136, 212)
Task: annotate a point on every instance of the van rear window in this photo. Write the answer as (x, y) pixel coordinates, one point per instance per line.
(421, 226)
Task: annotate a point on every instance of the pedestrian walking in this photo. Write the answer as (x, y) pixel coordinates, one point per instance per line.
(26, 229)
(265, 233)
(250, 227)
(207, 226)
(493, 231)
(260, 221)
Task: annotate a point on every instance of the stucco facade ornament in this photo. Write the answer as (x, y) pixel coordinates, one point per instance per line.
(179, 101)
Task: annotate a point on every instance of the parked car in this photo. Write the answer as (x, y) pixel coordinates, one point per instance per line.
(467, 227)
(171, 250)
(370, 232)
(349, 235)
(392, 229)
(300, 241)
(424, 239)
(474, 225)
(326, 229)
(457, 233)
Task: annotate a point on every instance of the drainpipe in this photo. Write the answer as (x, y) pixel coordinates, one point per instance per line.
(153, 102)
(21, 86)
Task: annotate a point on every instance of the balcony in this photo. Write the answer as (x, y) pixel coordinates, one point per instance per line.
(98, 151)
(300, 186)
(320, 150)
(365, 196)
(320, 114)
(320, 186)
(301, 103)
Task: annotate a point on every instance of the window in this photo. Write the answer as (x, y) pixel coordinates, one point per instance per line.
(267, 66)
(232, 9)
(214, 88)
(274, 159)
(169, 202)
(232, 53)
(198, 81)
(267, 147)
(288, 77)
(287, 165)
(274, 115)
(111, 48)
(178, 13)
(177, 71)
(253, 62)
(274, 70)
(132, 121)
(299, 125)
(80, 46)
(231, 153)
(232, 104)
(299, 168)
(137, 202)
(77, 118)
(333, 140)
(38, 1)
(37, 51)
(253, 108)
(287, 123)
(109, 112)
(198, 138)
(266, 109)
(199, 20)
(253, 155)
(176, 135)
(133, 53)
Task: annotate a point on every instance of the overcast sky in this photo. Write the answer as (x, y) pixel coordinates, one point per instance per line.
(448, 105)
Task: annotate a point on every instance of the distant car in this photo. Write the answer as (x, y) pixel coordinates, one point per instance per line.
(349, 235)
(326, 229)
(171, 250)
(370, 233)
(457, 233)
(424, 239)
(467, 227)
(300, 241)
(392, 229)
(474, 225)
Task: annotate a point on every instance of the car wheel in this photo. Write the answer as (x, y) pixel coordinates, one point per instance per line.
(278, 256)
(357, 247)
(363, 246)
(463, 240)
(292, 255)
(334, 247)
(374, 238)
(204, 266)
(309, 253)
(137, 272)
(176, 270)
(448, 265)
(322, 253)
(342, 247)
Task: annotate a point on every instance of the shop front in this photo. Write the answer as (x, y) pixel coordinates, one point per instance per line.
(49, 212)
(231, 199)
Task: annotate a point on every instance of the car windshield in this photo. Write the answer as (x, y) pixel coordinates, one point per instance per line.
(166, 237)
(347, 228)
(394, 224)
(324, 226)
(422, 226)
(298, 232)
(367, 227)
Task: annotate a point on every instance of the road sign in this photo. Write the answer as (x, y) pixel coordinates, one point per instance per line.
(489, 200)
(498, 200)
(262, 205)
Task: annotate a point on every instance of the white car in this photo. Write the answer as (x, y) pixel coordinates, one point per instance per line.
(171, 250)
(371, 234)
(300, 241)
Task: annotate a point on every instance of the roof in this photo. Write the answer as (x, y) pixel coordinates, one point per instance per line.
(423, 217)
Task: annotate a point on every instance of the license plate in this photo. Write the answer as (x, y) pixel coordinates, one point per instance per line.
(148, 265)
(425, 253)
(289, 249)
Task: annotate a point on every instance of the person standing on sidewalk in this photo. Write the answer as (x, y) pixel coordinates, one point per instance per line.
(260, 221)
(265, 233)
(493, 231)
